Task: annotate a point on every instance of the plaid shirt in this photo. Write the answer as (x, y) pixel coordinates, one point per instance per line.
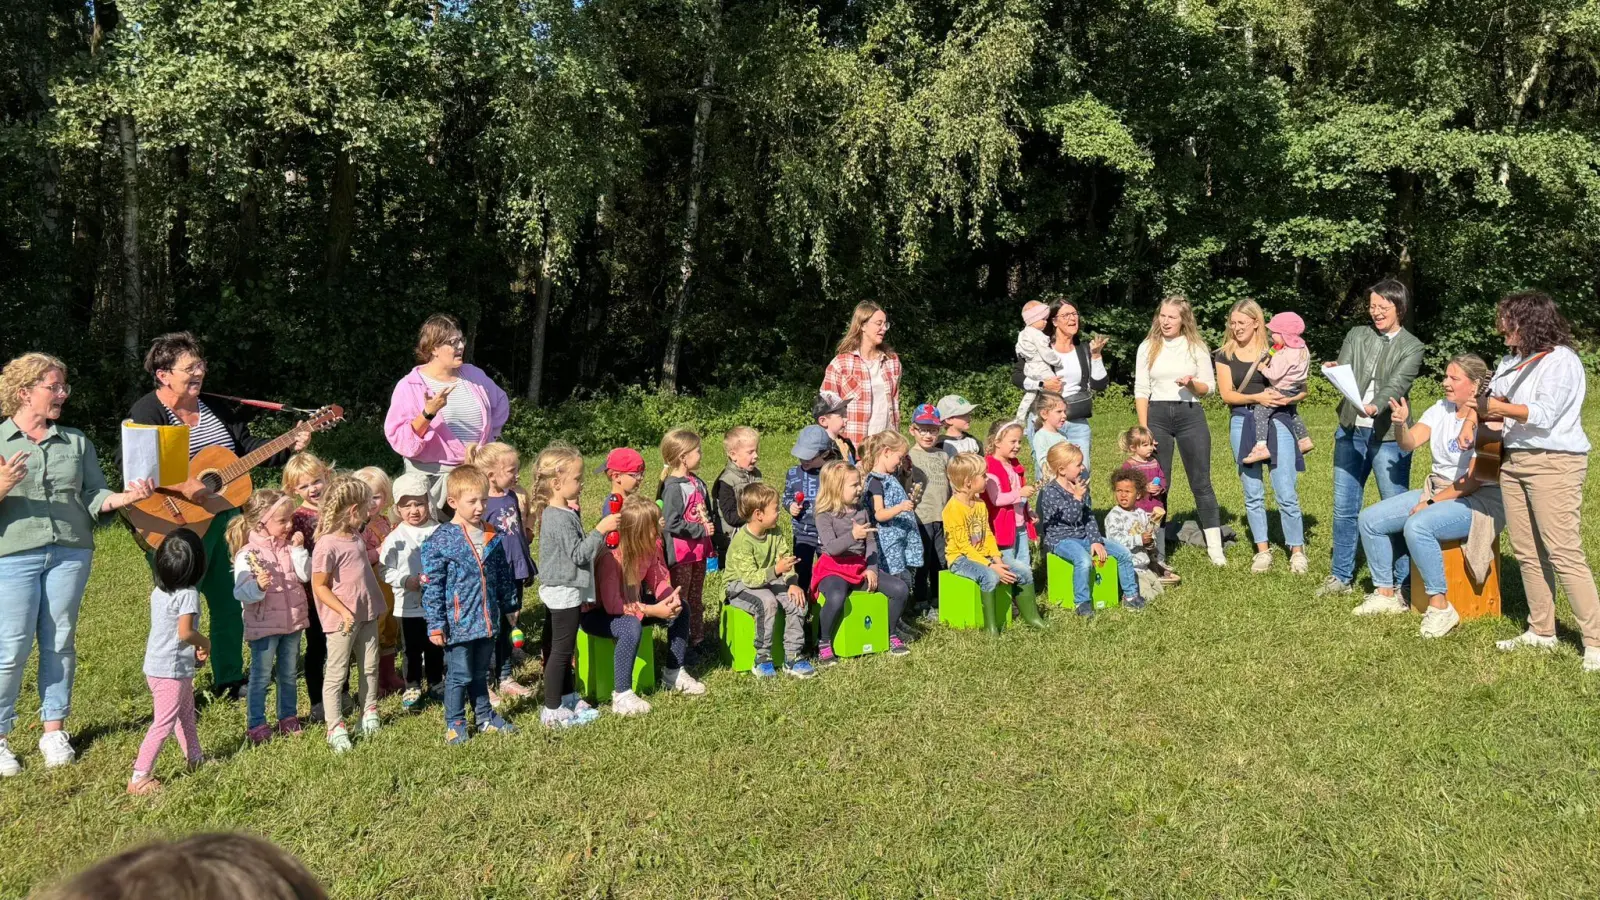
(847, 376)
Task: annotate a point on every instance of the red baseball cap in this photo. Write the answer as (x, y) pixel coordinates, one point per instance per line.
(623, 459)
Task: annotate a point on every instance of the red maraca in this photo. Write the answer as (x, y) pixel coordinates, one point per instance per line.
(614, 506)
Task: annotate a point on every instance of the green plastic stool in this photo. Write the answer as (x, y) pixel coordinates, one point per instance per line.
(961, 603)
(1104, 592)
(593, 658)
(737, 628)
(863, 627)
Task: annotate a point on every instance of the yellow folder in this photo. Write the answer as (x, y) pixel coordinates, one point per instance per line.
(158, 452)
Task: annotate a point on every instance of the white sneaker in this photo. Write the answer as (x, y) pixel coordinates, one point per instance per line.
(1218, 558)
(561, 717)
(1436, 622)
(1591, 659)
(1333, 587)
(627, 703)
(57, 749)
(9, 767)
(1528, 639)
(1262, 562)
(339, 738)
(370, 723)
(1377, 604)
(682, 682)
(1298, 564)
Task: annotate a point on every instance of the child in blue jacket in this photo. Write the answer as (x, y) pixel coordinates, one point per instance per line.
(466, 583)
(813, 447)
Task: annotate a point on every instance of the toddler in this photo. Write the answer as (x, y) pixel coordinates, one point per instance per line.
(1285, 366)
(761, 579)
(956, 414)
(1007, 492)
(621, 577)
(375, 532)
(892, 511)
(175, 648)
(928, 465)
(970, 550)
(850, 558)
(270, 571)
(813, 448)
(1139, 446)
(1071, 532)
(1134, 528)
(688, 526)
(829, 410)
(349, 603)
(1039, 359)
(400, 560)
(505, 509)
(741, 444)
(306, 479)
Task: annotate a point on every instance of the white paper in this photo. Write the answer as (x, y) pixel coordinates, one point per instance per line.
(1344, 378)
(141, 454)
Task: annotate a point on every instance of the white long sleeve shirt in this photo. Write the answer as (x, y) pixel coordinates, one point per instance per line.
(245, 587)
(1177, 358)
(1553, 393)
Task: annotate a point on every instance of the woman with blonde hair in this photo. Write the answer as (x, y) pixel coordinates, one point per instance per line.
(866, 373)
(1172, 371)
(1243, 387)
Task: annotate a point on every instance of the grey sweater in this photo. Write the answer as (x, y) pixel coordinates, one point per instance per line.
(834, 537)
(566, 554)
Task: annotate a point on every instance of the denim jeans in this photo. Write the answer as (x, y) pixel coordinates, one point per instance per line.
(40, 594)
(1384, 525)
(272, 658)
(1076, 431)
(1080, 554)
(985, 577)
(1019, 555)
(1285, 487)
(1357, 453)
(466, 667)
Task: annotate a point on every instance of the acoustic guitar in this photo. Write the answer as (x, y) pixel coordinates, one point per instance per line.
(224, 474)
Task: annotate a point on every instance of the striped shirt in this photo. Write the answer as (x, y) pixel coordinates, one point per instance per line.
(462, 412)
(209, 432)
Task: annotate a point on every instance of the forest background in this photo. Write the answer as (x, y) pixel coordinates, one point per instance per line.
(654, 211)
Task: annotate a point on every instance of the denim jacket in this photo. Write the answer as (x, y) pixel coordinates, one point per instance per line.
(463, 593)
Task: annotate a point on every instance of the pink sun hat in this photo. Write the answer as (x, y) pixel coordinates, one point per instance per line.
(1291, 326)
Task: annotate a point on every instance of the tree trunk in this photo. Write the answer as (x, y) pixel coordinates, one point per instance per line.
(178, 270)
(245, 273)
(341, 215)
(1519, 96)
(541, 317)
(598, 287)
(132, 271)
(691, 218)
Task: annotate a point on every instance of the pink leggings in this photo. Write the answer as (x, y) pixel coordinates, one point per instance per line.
(174, 698)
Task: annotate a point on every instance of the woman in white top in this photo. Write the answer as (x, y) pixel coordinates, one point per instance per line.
(1080, 373)
(1538, 391)
(1172, 372)
(1442, 510)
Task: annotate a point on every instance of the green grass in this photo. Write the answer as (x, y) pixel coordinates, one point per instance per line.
(1239, 738)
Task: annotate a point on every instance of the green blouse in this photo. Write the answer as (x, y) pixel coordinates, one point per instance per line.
(59, 500)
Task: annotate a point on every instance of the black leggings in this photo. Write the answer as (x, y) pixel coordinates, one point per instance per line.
(1182, 423)
(926, 587)
(316, 658)
(563, 640)
(835, 591)
(422, 657)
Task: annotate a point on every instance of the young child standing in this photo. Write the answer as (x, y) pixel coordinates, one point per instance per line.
(742, 444)
(761, 580)
(175, 648)
(813, 448)
(970, 548)
(956, 413)
(1071, 532)
(465, 578)
(375, 532)
(505, 509)
(686, 517)
(400, 560)
(349, 603)
(1007, 492)
(1286, 367)
(621, 575)
(830, 410)
(1039, 359)
(1049, 414)
(1139, 446)
(270, 571)
(850, 558)
(566, 575)
(305, 480)
(1133, 528)
(928, 465)
(892, 511)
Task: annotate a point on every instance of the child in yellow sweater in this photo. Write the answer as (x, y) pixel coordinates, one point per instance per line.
(970, 548)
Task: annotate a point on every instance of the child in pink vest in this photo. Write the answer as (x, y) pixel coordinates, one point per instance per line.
(270, 569)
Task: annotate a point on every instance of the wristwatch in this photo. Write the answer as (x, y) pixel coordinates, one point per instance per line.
(428, 415)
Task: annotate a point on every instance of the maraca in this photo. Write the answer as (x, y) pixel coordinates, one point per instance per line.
(613, 506)
(516, 638)
(799, 498)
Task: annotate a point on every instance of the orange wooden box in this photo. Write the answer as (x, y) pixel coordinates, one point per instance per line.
(1470, 600)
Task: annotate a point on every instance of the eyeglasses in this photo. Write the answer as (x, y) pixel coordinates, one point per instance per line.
(1065, 314)
(194, 368)
(59, 390)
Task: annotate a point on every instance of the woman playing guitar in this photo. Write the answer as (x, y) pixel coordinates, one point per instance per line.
(178, 366)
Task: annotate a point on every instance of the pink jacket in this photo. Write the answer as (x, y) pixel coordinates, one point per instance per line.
(1002, 489)
(282, 608)
(1288, 368)
(438, 444)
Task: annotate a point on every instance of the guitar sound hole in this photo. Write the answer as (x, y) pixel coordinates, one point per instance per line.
(212, 481)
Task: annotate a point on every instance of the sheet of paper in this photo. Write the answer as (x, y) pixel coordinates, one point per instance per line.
(1344, 379)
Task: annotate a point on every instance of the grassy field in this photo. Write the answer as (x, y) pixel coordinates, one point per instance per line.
(1239, 738)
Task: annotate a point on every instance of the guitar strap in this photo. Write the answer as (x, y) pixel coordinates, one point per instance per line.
(262, 404)
(1523, 370)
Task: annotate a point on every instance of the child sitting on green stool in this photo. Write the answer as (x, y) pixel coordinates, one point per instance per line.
(761, 580)
(969, 543)
(849, 559)
(1071, 533)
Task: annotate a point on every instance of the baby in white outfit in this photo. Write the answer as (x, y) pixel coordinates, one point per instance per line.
(1039, 359)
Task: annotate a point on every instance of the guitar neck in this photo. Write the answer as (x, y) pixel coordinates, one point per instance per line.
(259, 455)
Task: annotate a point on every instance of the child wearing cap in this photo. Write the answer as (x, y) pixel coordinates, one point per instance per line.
(400, 561)
(1039, 359)
(954, 410)
(928, 464)
(624, 468)
(829, 410)
(741, 444)
(1285, 366)
(813, 448)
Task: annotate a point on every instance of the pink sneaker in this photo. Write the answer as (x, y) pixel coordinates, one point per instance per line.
(290, 725)
(143, 787)
(259, 735)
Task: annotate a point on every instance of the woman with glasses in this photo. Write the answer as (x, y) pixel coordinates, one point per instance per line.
(178, 365)
(866, 373)
(441, 406)
(51, 493)
(1080, 375)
